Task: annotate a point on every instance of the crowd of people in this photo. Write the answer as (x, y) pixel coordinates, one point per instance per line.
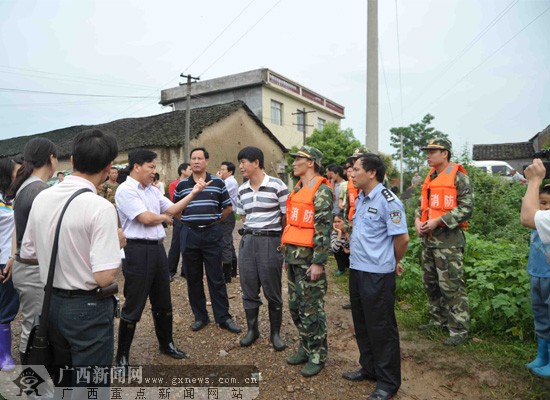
(348, 212)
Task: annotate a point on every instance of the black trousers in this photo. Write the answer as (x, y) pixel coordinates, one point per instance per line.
(146, 275)
(342, 260)
(203, 252)
(372, 299)
(175, 251)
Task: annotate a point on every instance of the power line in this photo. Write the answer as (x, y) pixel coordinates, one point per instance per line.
(64, 103)
(399, 60)
(72, 78)
(487, 58)
(239, 39)
(476, 39)
(385, 82)
(72, 94)
(219, 35)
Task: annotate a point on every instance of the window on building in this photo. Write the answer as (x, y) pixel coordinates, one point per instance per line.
(276, 112)
(300, 121)
(320, 124)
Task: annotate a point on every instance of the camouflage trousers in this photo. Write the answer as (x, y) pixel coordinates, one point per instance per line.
(444, 284)
(306, 302)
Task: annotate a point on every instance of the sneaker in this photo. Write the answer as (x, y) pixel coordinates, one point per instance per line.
(454, 340)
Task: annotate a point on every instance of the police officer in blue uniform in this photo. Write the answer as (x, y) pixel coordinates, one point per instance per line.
(378, 242)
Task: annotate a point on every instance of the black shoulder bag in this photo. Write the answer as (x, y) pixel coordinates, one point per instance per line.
(39, 351)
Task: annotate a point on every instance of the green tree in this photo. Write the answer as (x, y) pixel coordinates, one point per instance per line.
(415, 136)
(335, 143)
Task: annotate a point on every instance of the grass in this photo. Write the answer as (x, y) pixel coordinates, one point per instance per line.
(507, 357)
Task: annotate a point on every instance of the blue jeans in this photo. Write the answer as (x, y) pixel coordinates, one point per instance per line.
(9, 301)
(540, 301)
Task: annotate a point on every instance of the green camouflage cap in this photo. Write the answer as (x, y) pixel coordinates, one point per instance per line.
(311, 153)
(358, 152)
(439, 144)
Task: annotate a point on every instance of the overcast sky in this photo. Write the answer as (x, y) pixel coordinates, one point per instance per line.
(480, 67)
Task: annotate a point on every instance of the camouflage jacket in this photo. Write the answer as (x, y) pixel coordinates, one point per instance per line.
(451, 235)
(322, 203)
(104, 191)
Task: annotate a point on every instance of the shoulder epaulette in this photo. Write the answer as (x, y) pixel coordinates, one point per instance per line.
(388, 195)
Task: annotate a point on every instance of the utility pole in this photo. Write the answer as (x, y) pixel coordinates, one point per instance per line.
(304, 113)
(187, 116)
(371, 139)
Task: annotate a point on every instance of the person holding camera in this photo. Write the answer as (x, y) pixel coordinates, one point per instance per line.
(81, 315)
(531, 215)
(339, 243)
(306, 239)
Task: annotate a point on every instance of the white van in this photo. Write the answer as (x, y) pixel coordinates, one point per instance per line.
(494, 167)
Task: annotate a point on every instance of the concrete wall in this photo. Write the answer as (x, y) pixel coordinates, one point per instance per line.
(288, 132)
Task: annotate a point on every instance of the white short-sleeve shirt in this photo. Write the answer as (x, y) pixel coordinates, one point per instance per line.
(88, 239)
(542, 223)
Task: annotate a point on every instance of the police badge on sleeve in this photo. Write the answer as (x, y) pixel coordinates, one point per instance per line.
(395, 216)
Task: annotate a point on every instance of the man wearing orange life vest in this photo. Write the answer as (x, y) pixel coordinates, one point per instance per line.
(306, 240)
(447, 203)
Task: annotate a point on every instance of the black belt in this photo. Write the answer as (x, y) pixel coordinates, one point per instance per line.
(76, 292)
(144, 241)
(200, 227)
(257, 232)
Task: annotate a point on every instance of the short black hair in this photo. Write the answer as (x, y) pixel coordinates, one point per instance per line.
(182, 167)
(252, 154)
(93, 151)
(230, 166)
(139, 157)
(545, 189)
(157, 176)
(370, 162)
(336, 169)
(206, 155)
(60, 173)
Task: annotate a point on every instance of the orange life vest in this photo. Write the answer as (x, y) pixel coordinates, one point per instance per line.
(300, 211)
(439, 195)
(353, 192)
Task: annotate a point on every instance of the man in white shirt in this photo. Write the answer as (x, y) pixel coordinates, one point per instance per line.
(81, 314)
(229, 257)
(142, 209)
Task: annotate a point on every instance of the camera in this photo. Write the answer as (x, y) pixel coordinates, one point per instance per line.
(543, 154)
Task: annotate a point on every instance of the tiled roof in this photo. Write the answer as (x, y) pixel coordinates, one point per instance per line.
(163, 130)
(502, 151)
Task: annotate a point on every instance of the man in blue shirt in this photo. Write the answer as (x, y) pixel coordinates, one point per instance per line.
(378, 242)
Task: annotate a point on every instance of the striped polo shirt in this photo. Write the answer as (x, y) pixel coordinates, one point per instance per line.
(263, 208)
(207, 206)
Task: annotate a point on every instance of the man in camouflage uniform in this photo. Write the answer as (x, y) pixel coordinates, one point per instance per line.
(440, 220)
(109, 187)
(305, 262)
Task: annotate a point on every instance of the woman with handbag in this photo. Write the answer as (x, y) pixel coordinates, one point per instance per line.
(39, 165)
(9, 300)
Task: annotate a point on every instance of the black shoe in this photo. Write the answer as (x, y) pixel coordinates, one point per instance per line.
(357, 376)
(231, 326)
(346, 306)
(172, 351)
(380, 394)
(198, 325)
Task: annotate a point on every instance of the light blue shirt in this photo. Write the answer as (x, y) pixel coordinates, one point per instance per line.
(379, 216)
(538, 264)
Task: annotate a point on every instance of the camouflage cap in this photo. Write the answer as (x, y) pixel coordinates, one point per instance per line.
(311, 153)
(358, 152)
(439, 144)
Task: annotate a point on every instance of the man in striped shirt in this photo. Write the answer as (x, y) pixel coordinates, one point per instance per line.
(261, 202)
(201, 240)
